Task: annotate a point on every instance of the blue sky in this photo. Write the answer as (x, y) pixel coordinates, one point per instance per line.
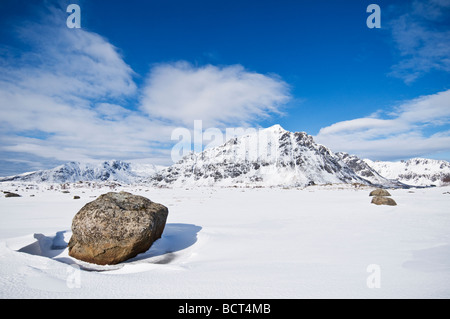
(136, 70)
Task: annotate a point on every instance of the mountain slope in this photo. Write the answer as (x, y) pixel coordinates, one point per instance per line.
(416, 171)
(364, 170)
(270, 157)
(73, 172)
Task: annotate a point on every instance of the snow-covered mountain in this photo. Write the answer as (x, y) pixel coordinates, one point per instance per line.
(364, 170)
(416, 171)
(269, 157)
(73, 172)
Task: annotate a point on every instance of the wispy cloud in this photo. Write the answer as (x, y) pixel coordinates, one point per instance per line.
(66, 63)
(400, 134)
(54, 96)
(422, 37)
(419, 127)
(64, 95)
(182, 93)
(60, 98)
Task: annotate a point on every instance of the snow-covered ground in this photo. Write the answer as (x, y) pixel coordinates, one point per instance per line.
(319, 241)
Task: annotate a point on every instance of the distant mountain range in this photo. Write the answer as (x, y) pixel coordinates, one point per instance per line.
(74, 172)
(272, 157)
(416, 171)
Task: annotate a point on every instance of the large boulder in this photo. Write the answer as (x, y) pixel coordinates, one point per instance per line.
(383, 200)
(116, 227)
(379, 192)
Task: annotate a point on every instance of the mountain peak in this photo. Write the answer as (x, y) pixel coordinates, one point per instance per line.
(270, 157)
(275, 128)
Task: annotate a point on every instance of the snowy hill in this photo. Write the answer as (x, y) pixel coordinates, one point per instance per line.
(364, 170)
(269, 157)
(73, 172)
(416, 171)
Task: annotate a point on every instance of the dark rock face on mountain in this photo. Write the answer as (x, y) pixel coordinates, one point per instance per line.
(364, 170)
(116, 227)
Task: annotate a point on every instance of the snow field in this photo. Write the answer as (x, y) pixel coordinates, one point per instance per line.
(316, 242)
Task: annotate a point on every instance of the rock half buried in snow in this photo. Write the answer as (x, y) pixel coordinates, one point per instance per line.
(379, 192)
(10, 195)
(116, 227)
(383, 200)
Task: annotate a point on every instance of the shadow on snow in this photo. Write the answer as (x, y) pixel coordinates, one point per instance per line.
(176, 237)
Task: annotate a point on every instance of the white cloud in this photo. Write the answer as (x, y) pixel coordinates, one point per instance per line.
(60, 99)
(422, 39)
(76, 133)
(432, 109)
(400, 136)
(112, 112)
(182, 93)
(69, 63)
(63, 96)
(370, 126)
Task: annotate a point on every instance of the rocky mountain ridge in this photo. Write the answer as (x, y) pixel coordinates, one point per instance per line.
(267, 158)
